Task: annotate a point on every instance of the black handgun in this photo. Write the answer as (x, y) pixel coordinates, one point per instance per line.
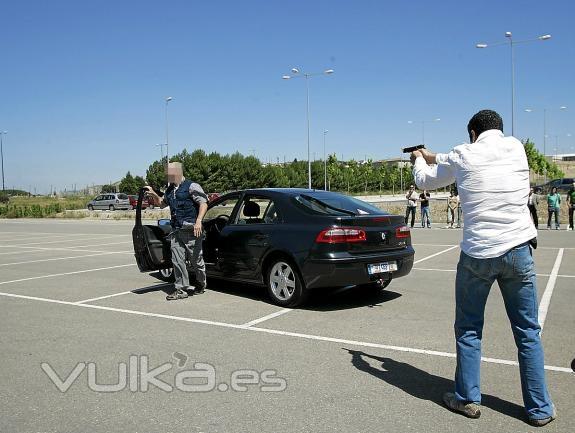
(413, 148)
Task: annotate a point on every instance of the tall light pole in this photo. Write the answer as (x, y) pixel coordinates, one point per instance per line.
(325, 131)
(168, 99)
(545, 110)
(295, 73)
(512, 43)
(2, 134)
(423, 122)
(161, 145)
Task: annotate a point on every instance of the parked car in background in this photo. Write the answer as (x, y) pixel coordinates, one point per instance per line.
(145, 203)
(562, 185)
(289, 240)
(110, 201)
(213, 196)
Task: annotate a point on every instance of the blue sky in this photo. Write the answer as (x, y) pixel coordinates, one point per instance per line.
(82, 84)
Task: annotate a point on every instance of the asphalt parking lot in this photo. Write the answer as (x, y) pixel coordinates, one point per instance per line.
(72, 302)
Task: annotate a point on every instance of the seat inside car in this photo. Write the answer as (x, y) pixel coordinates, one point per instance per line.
(252, 212)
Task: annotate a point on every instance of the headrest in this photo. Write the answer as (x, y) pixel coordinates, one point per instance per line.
(251, 209)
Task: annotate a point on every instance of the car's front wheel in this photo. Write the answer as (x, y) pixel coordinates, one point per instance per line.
(285, 286)
(166, 275)
(112, 207)
(90, 207)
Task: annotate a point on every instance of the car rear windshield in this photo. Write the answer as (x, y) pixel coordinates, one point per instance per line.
(337, 204)
(122, 197)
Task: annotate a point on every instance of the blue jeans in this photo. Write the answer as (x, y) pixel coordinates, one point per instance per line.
(425, 214)
(515, 273)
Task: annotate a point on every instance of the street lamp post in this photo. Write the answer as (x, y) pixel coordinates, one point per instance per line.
(161, 145)
(423, 126)
(530, 110)
(2, 134)
(512, 43)
(297, 74)
(168, 99)
(325, 131)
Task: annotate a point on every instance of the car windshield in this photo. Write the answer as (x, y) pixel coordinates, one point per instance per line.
(122, 197)
(337, 204)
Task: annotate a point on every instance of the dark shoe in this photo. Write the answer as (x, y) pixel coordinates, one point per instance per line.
(177, 294)
(470, 410)
(199, 290)
(541, 422)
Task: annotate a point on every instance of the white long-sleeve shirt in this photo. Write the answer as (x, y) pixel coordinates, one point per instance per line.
(492, 177)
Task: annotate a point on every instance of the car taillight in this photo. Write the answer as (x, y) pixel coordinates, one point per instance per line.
(338, 235)
(402, 232)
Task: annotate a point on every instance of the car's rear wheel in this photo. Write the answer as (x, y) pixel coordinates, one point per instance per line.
(285, 286)
(166, 275)
(112, 207)
(90, 207)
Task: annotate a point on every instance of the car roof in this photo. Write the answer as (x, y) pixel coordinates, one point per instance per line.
(290, 191)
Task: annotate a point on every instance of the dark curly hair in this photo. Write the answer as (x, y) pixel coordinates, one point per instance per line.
(484, 121)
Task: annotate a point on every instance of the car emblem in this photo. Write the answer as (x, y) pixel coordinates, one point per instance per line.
(382, 236)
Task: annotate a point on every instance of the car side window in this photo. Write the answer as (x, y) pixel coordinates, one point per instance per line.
(258, 210)
(225, 207)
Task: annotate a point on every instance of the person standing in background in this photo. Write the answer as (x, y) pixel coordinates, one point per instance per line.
(532, 203)
(571, 204)
(553, 207)
(411, 197)
(425, 216)
(452, 204)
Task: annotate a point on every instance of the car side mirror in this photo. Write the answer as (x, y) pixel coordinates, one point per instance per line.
(164, 222)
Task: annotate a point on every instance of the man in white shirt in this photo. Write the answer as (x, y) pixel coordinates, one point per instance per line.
(492, 177)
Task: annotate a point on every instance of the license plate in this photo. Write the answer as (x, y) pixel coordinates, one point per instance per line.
(380, 268)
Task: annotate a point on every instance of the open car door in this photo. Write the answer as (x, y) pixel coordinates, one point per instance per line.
(151, 243)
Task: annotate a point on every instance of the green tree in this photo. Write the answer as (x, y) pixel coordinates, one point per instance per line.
(538, 163)
(130, 184)
(108, 189)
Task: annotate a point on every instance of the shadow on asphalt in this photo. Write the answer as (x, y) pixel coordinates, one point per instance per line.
(319, 300)
(164, 287)
(423, 385)
(354, 297)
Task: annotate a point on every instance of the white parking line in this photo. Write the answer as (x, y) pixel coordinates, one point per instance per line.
(61, 241)
(60, 234)
(278, 332)
(30, 250)
(68, 250)
(54, 259)
(99, 245)
(66, 273)
(157, 286)
(102, 297)
(435, 245)
(455, 270)
(450, 245)
(546, 298)
(29, 235)
(436, 254)
(268, 317)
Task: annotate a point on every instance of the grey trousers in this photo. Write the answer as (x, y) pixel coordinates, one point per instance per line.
(185, 245)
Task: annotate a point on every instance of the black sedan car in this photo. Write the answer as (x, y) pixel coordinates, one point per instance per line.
(290, 240)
